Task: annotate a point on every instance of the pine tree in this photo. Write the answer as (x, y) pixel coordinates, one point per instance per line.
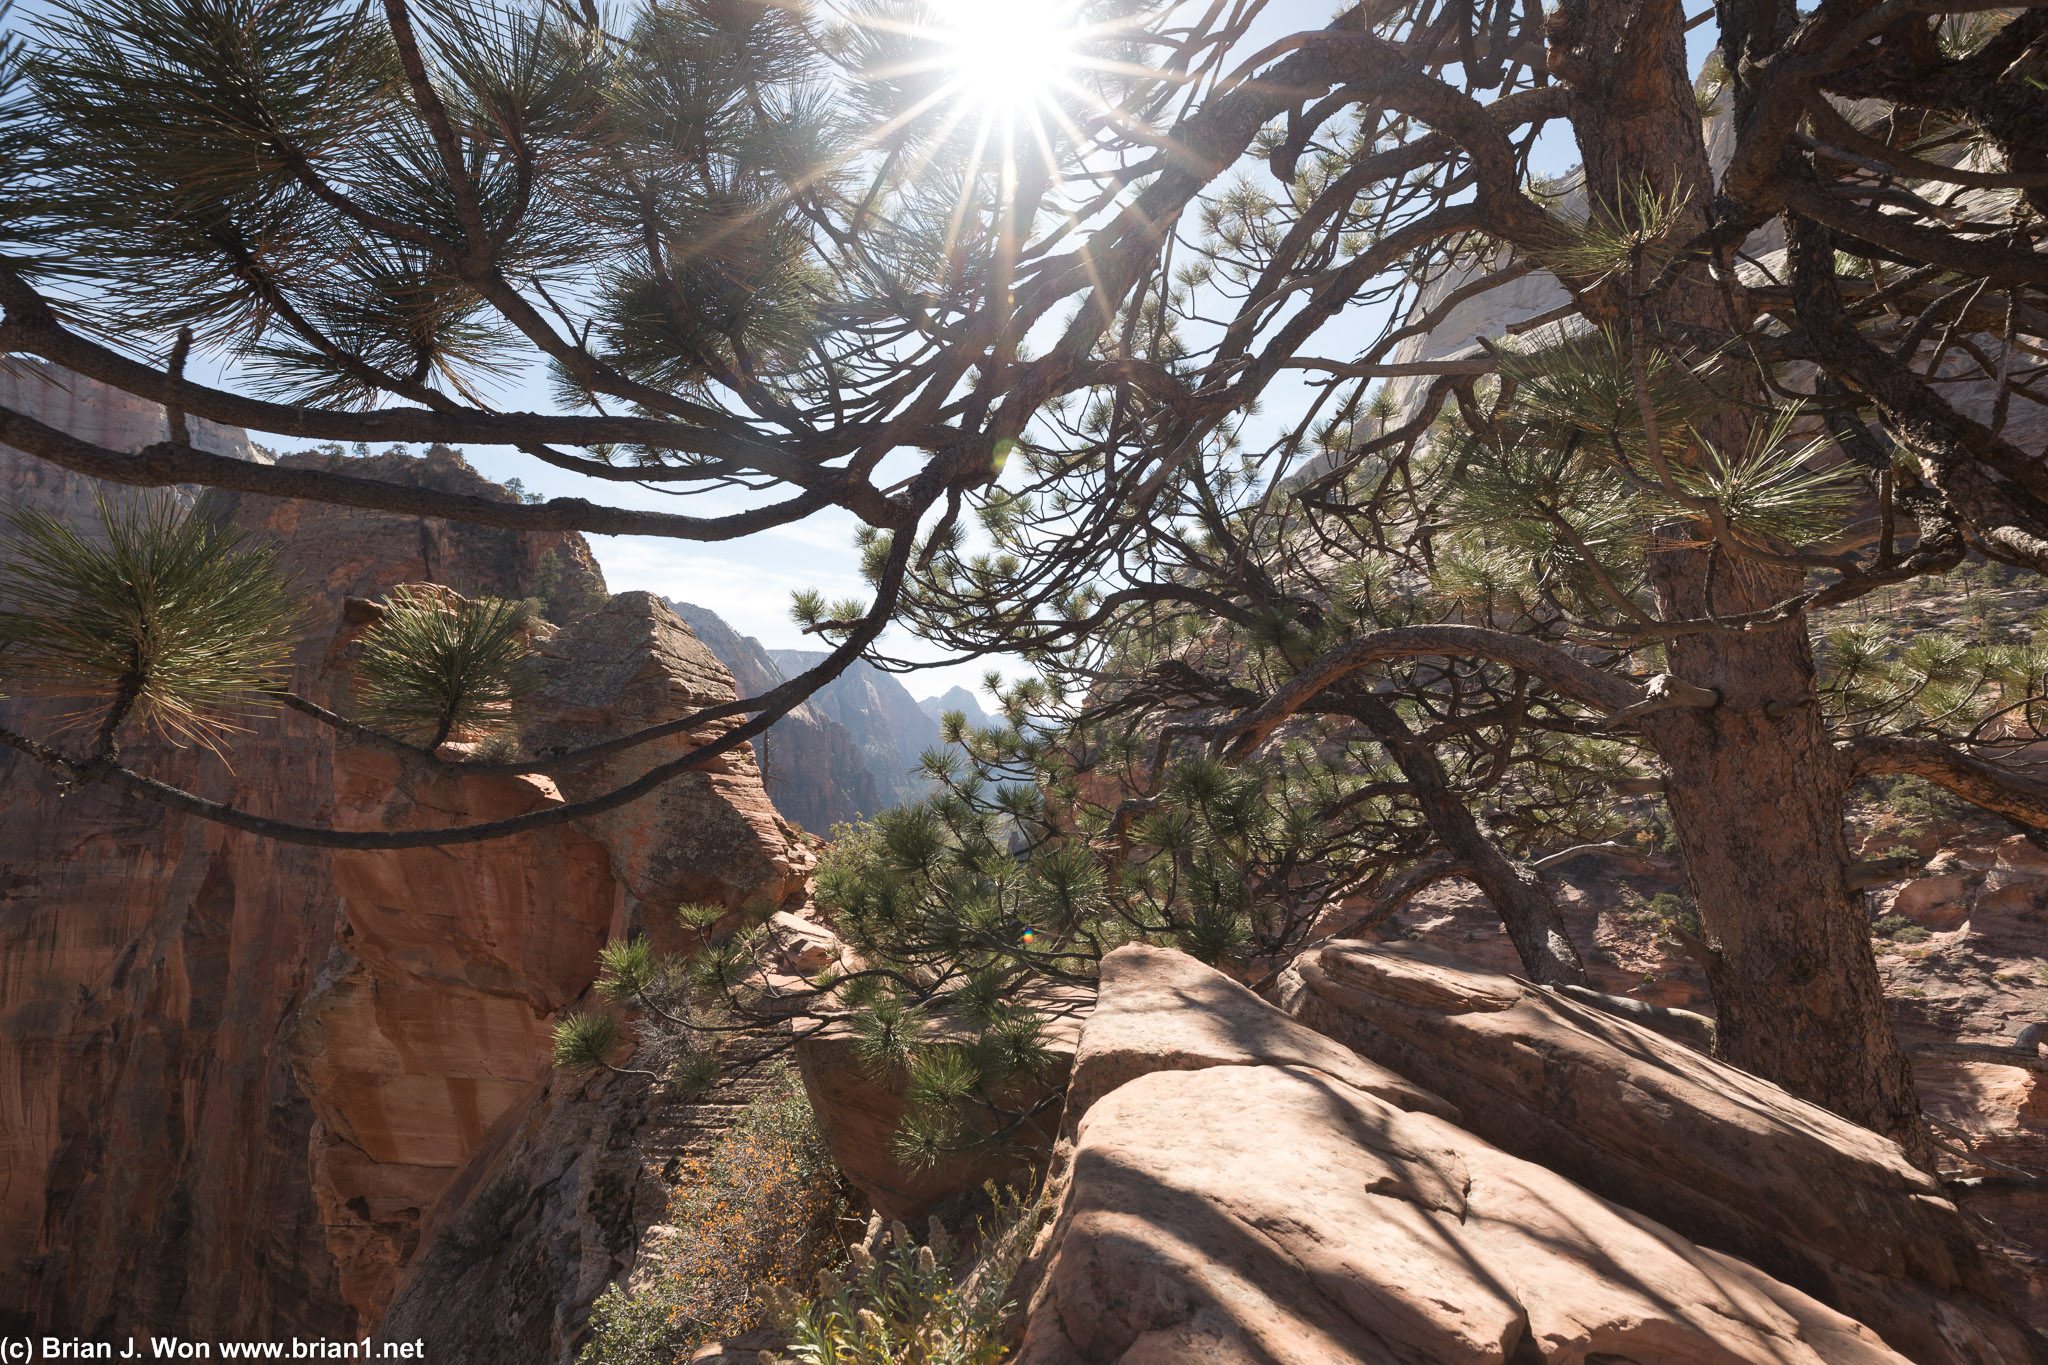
(740, 280)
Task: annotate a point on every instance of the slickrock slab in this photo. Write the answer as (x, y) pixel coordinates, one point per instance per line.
(1725, 1158)
(1160, 1010)
(1272, 1214)
(1271, 1208)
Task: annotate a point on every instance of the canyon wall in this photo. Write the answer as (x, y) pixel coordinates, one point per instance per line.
(956, 699)
(814, 770)
(887, 724)
(238, 1078)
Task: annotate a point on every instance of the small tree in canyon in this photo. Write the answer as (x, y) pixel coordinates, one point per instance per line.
(1066, 324)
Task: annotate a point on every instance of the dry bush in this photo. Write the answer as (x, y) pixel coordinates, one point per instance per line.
(753, 1218)
(898, 1303)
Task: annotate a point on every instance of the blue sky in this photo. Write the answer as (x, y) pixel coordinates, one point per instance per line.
(749, 582)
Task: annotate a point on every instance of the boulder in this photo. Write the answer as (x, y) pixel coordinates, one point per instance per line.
(802, 947)
(2020, 857)
(859, 1111)
(1247, 1199)
(1934, 902)
(1720, 1156)
(1161, 1010)
(700, 837)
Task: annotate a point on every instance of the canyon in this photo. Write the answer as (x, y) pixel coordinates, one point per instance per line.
(253, 1090)
(852, 749)
(242, 1083)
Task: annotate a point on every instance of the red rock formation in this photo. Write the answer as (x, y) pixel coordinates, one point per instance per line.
(813, 771)
(345, 551)
(1716, 1154)
(710, 836)
(431, 1020)
(859, 1114)
(94, 412)
(235, 1076)
(1235, 1191)
(153, 1142)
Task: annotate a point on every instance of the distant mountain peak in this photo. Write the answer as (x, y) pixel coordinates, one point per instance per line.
(887, 723)
(956, 699)
(816, 774)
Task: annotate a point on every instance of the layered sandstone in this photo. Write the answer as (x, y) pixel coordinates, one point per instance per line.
(92, 412)
(1975, 977)
(1718, 1155)
(236, 1077)
(1235, 1191)
(813, 769)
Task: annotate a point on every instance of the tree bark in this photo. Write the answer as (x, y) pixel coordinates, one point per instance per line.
(1755, 786)
(1757, 802)
(1518, 891)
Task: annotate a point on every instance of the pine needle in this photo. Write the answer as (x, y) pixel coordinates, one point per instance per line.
(171, 607)
(445, 670)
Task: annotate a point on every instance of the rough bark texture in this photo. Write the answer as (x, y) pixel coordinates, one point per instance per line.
(1526, 903)
(1756, 791)
(1757, 801)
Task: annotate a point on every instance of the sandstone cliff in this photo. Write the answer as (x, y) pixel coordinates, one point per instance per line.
(91, 411)
(814, 770)
(890, 728)
(236, 1078)
(1233, 1187)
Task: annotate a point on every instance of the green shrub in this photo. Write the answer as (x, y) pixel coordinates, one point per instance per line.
(1913, 801)
(1671, 915)
(753, 1218)
(1898, 929)
(676, 1039)
(906, 1306)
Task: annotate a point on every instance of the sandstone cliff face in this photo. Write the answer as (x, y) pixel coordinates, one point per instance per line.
(153, 1140)
(343, 551)
(887, 724)
(92, 412)
(813, 769)
(237, 1077)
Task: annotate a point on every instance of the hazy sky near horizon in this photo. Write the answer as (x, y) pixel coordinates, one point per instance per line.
(749, 582)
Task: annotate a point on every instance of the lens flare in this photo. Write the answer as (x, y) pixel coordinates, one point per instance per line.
(1008, 55)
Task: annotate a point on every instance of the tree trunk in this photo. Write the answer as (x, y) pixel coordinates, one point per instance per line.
(1518, 891)
(1754, 786)
(1756, 792)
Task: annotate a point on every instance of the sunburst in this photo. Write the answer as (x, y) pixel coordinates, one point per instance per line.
(1012, 58)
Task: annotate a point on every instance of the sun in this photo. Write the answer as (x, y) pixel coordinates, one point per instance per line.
(1010, 56)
